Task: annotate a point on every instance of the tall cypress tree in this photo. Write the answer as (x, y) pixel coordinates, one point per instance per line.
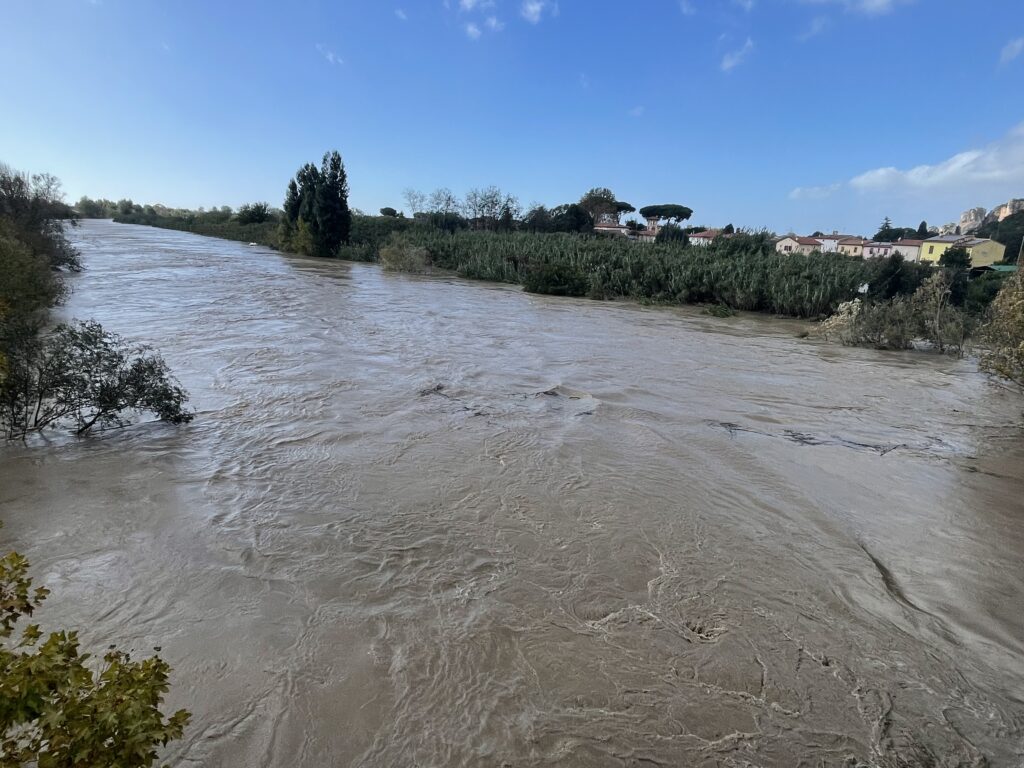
(334, 220)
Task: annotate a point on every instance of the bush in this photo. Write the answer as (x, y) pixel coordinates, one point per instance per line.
(556, 279)
(81, 375)
(400, 256)
(55, 710)
(1004, 333)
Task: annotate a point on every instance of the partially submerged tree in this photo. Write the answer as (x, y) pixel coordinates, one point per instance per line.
(57, 709)
(82, 376)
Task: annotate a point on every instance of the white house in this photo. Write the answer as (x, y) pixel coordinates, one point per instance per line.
(830, 243)
(704, 238)
(909, 249)
(873, 250)
(802, 245)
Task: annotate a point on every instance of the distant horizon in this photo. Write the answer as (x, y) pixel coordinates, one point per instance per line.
(788, 115)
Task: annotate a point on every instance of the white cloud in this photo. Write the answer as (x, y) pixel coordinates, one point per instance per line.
(472, 31)
(532, 10)
(814, 193)
(733, 59)
(637, 111)
(468, 5)
(331, 57)
(746, 5)
(989, 169)
(494, 24)
(818, 25)
(687, 7)
(584, 81)
(402, 15)
(1012, 50)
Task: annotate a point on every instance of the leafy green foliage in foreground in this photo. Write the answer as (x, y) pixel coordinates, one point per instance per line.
(55, 710)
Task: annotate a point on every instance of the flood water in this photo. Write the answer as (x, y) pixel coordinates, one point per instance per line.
(421, 521)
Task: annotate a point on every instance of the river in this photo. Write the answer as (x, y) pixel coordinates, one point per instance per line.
(423, 521)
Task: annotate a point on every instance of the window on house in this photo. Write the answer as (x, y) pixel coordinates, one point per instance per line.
(931, 249)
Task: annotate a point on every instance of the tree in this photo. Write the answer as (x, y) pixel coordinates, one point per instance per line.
(125, 206)
(317, 219)
(729, 230)
(334, 220)
(1009, 232)
(415, 199)
(442, 200)
(571, 217)
(83, 376)
(538, 219)
(922, 231)
(600, 202)
(1004, 333)
(254, 213)
(671, 211)
(389, 212)
(55, 710)
(956, 258)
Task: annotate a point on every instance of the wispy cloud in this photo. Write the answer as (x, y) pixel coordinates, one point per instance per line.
(733, 59)
(331, 57)
(533, 10)
(584, 81)
(494, 24)
(637, 111)
(472, 31)
(998, 164)
(1011, 50)
(814, 193)
(818, 25)
(746, 5)
(687, 7)
(401, 14)
(868, 7)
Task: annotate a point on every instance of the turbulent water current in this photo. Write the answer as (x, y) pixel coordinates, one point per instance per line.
(421, 521)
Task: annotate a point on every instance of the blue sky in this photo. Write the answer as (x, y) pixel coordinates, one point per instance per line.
(789, 114)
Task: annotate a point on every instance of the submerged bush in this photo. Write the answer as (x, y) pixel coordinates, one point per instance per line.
(401, 256)
(928, 315)
(82, 376)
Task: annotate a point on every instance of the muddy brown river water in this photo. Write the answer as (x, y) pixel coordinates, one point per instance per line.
(421, 521)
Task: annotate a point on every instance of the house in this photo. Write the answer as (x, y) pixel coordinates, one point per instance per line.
(852, 246)
(795, 244)
(608, 223)
(704, 238)
(830, 243)
(983, 252)
(873, 250)
(909, 249)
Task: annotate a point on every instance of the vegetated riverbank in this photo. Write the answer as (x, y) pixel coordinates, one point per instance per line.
(743, 272)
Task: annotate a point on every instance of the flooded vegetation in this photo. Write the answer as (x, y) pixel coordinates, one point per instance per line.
(425, 521)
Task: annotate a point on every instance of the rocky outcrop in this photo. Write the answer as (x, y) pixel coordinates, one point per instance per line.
(972, 219)
(975, 217)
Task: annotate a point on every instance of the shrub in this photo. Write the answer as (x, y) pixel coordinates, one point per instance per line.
(1004, 333)
(55, 710)
(401, 256)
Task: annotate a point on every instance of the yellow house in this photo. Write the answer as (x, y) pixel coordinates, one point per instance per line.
(852, 246)
(983, 252)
